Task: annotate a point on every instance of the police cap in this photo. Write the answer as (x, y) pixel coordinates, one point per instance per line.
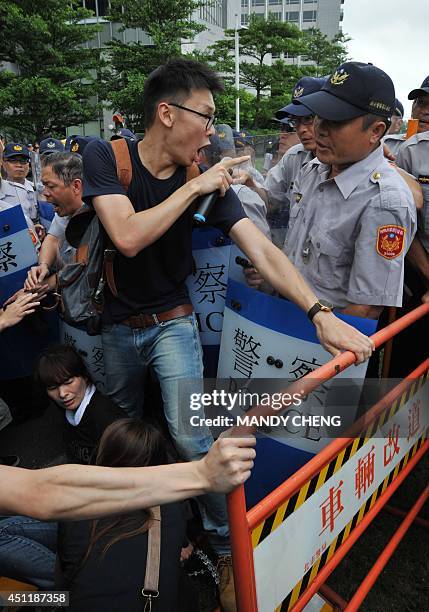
(16, 149)
(305, 86)
(353, 90)
(51, 145)
(423, 89)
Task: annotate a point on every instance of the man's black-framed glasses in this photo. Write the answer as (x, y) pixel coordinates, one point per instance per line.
(211, 119)
(296, 121)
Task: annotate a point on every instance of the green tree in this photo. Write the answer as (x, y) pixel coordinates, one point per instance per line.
(325, 53)
(48, 80)
(261, 39)
(166, 23)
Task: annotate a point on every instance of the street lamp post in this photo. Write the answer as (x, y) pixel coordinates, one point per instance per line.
(237, 75)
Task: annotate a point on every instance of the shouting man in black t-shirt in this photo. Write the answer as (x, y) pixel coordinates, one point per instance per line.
(152, 321)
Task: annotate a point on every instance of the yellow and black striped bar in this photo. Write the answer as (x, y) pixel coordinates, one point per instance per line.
(306, 491)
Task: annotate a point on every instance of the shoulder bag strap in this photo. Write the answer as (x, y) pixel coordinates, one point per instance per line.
(124, 171)
(153, 559)
(124, 167)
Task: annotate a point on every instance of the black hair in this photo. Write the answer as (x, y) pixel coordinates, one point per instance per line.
(371, 118)
(127, 443)
(57, 364)
(174, 82)
(65, 165)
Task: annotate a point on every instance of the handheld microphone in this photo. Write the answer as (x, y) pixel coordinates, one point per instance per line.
(206, 203)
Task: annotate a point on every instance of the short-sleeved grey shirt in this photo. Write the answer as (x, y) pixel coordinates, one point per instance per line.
(279, 180)
(347, 235)
(394, 142)
(414, 158)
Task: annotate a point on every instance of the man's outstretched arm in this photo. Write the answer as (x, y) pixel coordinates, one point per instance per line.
(274, 267)
(72, 492)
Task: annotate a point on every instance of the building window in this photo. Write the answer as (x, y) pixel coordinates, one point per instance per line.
(292, 16)
(309, 16)
(310, 1)
(258, 2)
(244, 19)
(274, 1)
(292, 1)
(211, 12)
(244, 3)
(277, 16)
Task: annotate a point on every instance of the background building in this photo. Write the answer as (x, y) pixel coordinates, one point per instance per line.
(323, 14)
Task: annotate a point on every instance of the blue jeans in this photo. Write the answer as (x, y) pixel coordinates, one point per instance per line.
(173, 349)
(27, 550)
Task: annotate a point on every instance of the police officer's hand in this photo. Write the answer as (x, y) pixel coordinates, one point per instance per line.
(388, 153)
(35, 276)
(218, 178)
(337, 336)
(425, 298)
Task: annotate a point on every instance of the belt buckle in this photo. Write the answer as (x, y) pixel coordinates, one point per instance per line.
(155, 319)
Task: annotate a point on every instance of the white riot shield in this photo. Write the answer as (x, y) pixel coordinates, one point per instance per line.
(266, 337)
(207, 289)
(20, 345)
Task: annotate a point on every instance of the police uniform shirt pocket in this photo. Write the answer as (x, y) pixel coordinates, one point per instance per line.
(329, 261)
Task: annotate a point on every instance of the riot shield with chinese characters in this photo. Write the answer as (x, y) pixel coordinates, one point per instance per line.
(207, 288)
(20, 345)
(266, 343)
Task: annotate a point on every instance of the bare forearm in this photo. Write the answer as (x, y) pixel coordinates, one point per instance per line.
(80, 492)
(274, 266)
(363, 310)
(49, 251)
(139, 230)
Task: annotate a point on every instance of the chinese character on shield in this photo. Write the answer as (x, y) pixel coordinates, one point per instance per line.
(209, 284)
(245, 353)
(6, 257)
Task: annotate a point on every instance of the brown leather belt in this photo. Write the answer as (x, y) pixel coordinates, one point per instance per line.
(141, 321)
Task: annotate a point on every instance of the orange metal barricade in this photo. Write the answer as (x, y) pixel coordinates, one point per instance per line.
(243, 522)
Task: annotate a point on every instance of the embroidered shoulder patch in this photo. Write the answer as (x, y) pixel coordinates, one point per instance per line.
(390, 240)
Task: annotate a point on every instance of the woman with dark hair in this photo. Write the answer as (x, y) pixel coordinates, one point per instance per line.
(103, 562)
(62, 372)
(28, 546)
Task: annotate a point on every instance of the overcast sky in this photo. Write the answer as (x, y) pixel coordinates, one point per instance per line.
(393, 35)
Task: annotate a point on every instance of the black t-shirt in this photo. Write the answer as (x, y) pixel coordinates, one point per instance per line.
(113, 582)
(154, 280)
(83, 439)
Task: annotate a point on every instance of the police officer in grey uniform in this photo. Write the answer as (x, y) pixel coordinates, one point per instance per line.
(413, 157)
(352, 217)
(279, 180)
(393, 138)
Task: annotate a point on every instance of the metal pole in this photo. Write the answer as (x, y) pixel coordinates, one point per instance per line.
(237, 75)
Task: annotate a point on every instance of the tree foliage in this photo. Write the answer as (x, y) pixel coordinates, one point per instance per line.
(47, 80)
(262, 39)
(166, 23)
(326, 54)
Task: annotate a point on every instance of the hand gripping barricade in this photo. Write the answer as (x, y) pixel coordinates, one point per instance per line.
(286, 546)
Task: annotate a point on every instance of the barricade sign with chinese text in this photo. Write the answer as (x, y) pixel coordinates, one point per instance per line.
(91, 349)
(207, 288)
(266, 337)
(296, 541)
